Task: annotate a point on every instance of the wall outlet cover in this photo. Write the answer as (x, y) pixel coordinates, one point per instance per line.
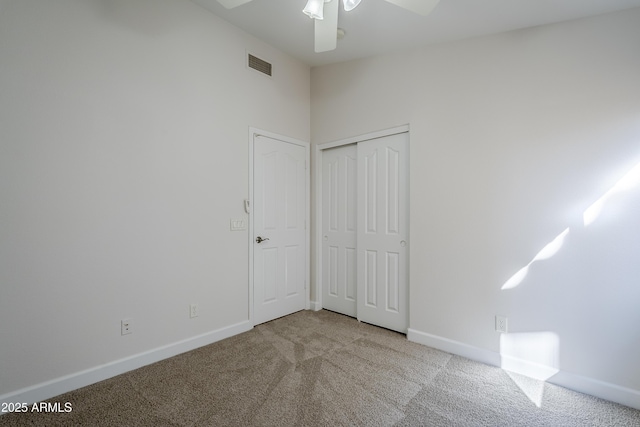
(501, 324)
(126, 326)
(194, 311)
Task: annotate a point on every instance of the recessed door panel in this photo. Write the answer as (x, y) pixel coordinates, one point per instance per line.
(392, 189)
(351, 187)
(269, 181)
(370, 268)
(333, 271)
(292, 167)
(351, 279)
(369, 187)
(392, 282)
(270, 275)
(334, 199)
(293, 270)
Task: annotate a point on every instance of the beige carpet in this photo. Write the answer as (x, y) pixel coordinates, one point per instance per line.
(322, 368)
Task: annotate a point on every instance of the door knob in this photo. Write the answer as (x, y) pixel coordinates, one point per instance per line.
(260, 239)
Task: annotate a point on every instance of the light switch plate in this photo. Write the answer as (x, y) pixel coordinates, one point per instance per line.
(238, 224)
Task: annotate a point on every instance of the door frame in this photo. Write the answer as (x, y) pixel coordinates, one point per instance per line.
(253, 133)
(317, 300)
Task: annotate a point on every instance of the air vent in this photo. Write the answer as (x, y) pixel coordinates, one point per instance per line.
(259, 65)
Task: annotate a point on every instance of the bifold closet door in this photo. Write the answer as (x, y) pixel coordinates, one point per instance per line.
(339, 210)
(383, 235)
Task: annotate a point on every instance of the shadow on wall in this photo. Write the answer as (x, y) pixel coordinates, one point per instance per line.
(537, 354)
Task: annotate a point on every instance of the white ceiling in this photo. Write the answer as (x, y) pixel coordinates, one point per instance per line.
(377, 27)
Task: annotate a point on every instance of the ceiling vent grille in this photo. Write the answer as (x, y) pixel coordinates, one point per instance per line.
(259, 65)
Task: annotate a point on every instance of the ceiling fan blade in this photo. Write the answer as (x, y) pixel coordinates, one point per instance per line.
(326, 30)
(230, 4)
(421, 7)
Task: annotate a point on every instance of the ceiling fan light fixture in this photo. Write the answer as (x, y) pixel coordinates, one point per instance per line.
(314, 9)
(350, 4)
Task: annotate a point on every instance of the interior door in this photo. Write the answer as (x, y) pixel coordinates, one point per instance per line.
(383, 235)
(279, 226)
(339, 221)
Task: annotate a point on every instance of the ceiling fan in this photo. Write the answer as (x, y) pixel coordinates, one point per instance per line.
(325, 16)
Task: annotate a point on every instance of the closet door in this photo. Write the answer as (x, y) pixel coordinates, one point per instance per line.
(383, 235)
(339, 210)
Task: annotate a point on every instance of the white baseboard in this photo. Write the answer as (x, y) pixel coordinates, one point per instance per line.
(528, 368)
(49, 389)
(316, 305)
(604, 390)
(454, 347)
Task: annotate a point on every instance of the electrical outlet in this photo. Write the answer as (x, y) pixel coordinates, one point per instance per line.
(501, 324)
(126, 326)
(194, 311)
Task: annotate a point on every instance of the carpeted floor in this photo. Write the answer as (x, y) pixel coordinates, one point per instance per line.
(322, 368)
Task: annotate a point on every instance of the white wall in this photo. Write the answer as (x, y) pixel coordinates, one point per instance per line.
(123, 155)
(513, 136)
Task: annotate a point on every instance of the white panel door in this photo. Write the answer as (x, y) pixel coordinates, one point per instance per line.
(339, 221)
(280, 238)
(383, 235)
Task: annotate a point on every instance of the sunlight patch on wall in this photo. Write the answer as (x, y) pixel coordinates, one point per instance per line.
(531, 358)
(533, 354)
(627, 182)
(549, 250)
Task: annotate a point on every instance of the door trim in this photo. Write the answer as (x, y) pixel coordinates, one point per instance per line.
(317, 298)
(253, 133)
